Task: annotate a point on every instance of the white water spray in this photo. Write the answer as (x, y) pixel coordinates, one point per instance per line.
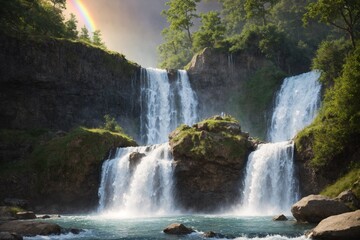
(296, 106)
(165, 104)
(137, 182)
(270, 186)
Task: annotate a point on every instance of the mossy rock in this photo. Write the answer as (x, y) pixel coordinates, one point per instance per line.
(209, 160)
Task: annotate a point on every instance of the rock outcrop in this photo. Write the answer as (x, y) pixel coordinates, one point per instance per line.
(281, 217)
(229, 83)
(344, 226)
(59, 84)
(29, 228)
(26, 215)
(315, 208)
(177, 229)
(209, 160)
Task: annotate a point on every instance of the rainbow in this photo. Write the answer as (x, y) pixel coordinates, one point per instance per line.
(84, 13)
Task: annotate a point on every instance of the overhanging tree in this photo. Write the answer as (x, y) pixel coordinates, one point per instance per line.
(342, 14)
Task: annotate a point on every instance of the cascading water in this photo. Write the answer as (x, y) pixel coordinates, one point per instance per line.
(270, 186)
(165, 104)
(296, 106)
(137, 182)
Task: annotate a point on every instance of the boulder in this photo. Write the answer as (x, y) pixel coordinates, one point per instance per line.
(280, 218)
(30, 228)
(345, 226)
(10, 236)
(135, 158)
(315, 208)
(209, 161)
(177, 229)
(25, 215)
(212, 234)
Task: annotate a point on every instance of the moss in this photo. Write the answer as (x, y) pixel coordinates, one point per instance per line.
(351, 180)
(210, 138)
(73, 153)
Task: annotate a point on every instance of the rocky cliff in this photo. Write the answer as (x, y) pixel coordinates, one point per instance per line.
(209, 161)
(59, 84)
(235, 84)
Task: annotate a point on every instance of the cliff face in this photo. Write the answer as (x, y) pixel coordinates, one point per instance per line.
(58, 84)
(234, 84)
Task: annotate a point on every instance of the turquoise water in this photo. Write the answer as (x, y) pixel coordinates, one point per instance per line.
(242, 228)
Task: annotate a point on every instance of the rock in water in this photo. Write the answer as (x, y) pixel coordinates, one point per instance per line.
(10, 236)
(212, 234)
(315, 208)
(177, 229)
(280, 218)
(25, 215)
(29, 228)
(209, 158)
(344, 226)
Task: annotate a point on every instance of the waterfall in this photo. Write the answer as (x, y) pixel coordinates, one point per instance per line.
(270, 186)
(296, 106)
(137, 182)
(165, 104)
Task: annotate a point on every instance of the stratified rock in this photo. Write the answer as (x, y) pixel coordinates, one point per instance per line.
(25, 215)
(30, 228)
(280, 218)
(10, 236)
(345, 226)
(315, 208)
(177, 229)
(209, 160)
(349, 198)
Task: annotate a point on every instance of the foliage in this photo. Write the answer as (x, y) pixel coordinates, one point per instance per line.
(350, 180)
(111, 124)
(96, 39)
(211, 32)
(181, 15)
(330, 58)
(176, 51)
(336, 129)
(42, 18)
(234, 15)
(71, 27)
(342, 14)
(259, 9)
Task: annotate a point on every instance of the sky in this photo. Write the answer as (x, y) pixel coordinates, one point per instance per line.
(130, 27)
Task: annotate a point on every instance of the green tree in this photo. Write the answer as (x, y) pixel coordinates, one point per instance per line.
(71, 27)
(59, 3)
(342, 14)
(181, 15)
(211, 31)
(111, 124)
(84, 34)
(176, 51)
(234, 15)
(97, 40)
(330, 58)
(259, 9)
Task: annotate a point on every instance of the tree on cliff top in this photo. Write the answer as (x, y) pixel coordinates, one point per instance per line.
(181, 15)
(342, 14)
